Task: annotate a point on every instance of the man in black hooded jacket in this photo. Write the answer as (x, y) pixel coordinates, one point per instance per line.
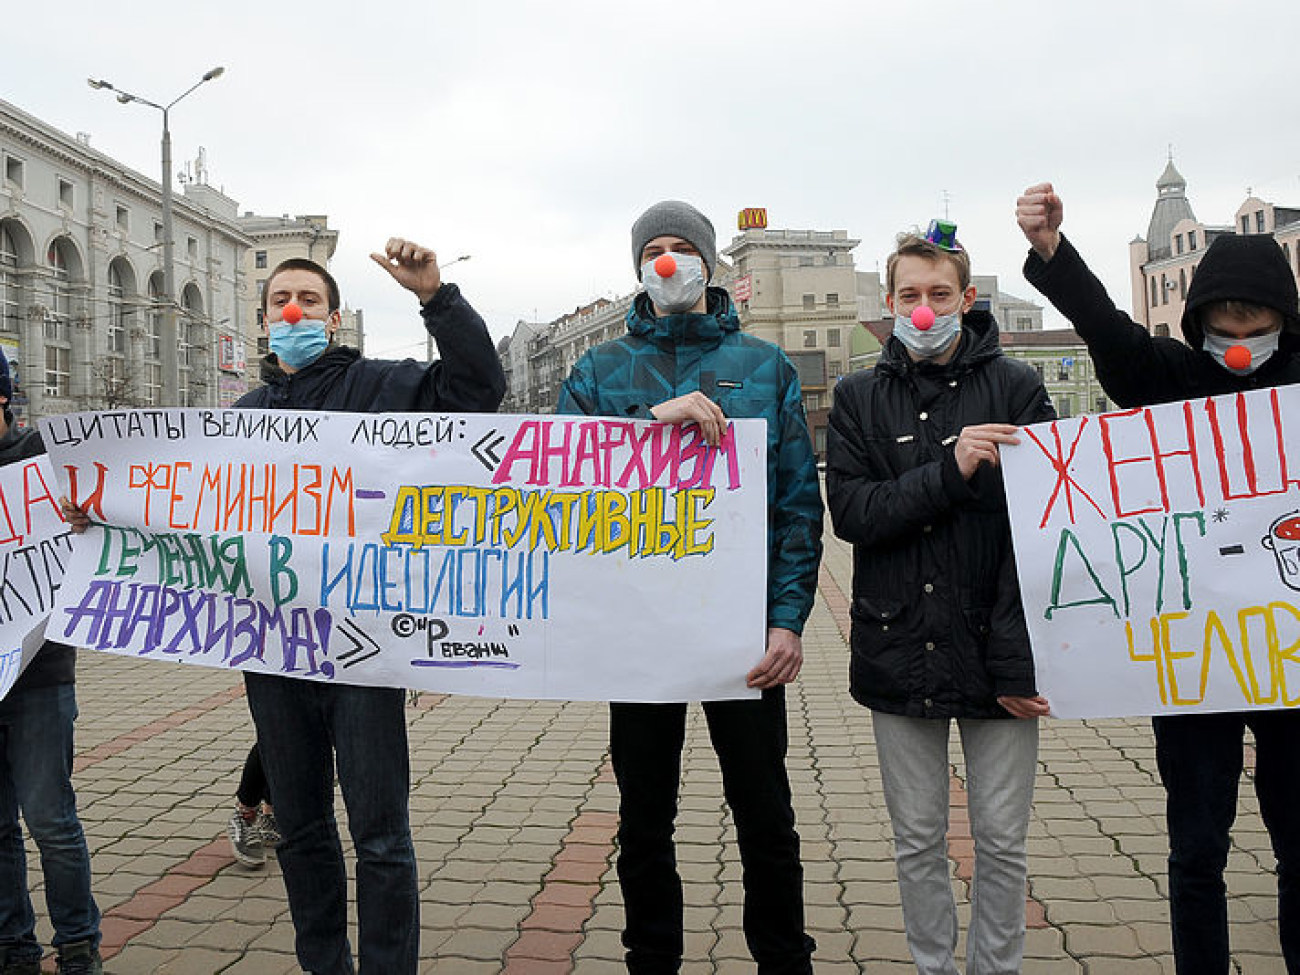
(1243, 332)
(305, 727)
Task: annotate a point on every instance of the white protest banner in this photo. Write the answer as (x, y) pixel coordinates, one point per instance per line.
(34, 545)
(506, 556)
(1159, 555)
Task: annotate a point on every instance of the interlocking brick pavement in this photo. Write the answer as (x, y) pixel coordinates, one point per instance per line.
(514, 811)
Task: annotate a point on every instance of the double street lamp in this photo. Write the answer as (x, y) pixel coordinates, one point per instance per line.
(169, 269)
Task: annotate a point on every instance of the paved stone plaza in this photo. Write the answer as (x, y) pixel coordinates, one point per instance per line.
(513, 807)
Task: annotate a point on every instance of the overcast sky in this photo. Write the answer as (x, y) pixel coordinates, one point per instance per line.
(531, 135)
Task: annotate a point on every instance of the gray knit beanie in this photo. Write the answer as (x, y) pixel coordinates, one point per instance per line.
(677, 219)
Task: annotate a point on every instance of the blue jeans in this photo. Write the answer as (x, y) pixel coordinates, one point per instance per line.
(36, 778)
(303, 728)
(750, 739)
(1001, 759)
(1200, 761)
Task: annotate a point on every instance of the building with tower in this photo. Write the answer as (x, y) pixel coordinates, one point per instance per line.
(1162, 264)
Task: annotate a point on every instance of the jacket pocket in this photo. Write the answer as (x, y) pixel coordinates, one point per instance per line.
(978, 623)
(872, 609)
(975, 680)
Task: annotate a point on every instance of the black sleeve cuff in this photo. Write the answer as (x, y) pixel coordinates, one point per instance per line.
(442, 299)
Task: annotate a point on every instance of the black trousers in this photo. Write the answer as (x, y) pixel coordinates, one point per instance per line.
(1200, 760)
(252, 780)
(750, 740)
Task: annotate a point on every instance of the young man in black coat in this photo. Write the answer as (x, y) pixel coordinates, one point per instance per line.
(1243, 332)
(938, 631)
(308, 730)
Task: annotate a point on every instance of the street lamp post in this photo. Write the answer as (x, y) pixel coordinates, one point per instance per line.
(169, 267)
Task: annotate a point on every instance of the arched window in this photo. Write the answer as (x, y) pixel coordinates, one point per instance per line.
(59, 292)
(8, 281)
(119, 313)
(152, 374)
(190, 350)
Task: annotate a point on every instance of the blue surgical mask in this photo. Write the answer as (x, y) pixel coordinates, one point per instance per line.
(931, 342)
(1261, 347)
(299, 345)
(678, 292)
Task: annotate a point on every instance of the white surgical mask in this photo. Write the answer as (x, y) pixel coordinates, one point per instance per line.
(680, 290)
(1260, 347)
(933, 340)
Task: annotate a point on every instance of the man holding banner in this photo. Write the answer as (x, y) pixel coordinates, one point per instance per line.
(685, 360)
(304, 727)
(36, 749)
(1243, 332)
(938, 631)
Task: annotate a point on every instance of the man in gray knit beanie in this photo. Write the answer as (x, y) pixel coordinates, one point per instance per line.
(675, 219)
(685, 360)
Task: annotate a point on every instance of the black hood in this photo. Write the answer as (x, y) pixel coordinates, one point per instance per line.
(1242, 267)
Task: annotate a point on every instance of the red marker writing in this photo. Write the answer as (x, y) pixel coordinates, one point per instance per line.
(665, 265)
(923, 318)
(291, 314)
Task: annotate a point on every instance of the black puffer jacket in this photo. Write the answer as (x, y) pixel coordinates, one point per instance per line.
(1138, 369)
(467, 379)
(938, 628)
(55, 663)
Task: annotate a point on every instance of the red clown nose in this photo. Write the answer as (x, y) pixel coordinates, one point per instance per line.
(1237, 357)
(291, 314)
(665, 265)
(923, 318)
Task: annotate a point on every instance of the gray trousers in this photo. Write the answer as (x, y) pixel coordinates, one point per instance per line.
(1001, 758)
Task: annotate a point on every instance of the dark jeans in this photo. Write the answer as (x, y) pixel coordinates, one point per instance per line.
(1200, 760)
(252, 780)
(303, 727)
(750, 740)
(36, 778)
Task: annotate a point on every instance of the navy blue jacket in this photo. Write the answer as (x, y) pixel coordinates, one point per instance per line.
(467, 379)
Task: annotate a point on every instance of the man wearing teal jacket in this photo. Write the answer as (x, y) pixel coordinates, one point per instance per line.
(685, 360)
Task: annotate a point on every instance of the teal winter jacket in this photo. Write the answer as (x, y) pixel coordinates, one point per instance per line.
(662, 358)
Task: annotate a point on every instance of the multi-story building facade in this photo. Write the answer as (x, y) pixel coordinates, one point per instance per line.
(1061, 359)
(798, 289)
(553, 348)
(1161, 265)
(83, 312)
